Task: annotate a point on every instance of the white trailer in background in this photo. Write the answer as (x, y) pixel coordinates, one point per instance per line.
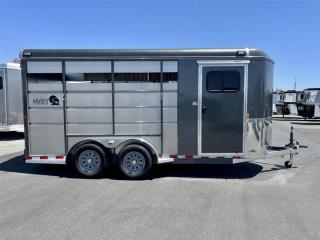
(300, 102)
(11, 108)
(290, 102)
(277, 102)
(312, 102)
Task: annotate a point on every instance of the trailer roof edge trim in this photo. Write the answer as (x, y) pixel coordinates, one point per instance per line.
(143, 53)
(10, 65)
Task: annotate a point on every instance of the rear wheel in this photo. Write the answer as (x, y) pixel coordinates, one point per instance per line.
(90, 160)
(134, 161)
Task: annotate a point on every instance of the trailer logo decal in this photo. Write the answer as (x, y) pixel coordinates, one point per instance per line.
(53, 100)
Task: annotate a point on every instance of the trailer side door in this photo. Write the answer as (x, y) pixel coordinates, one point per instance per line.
(221, 109)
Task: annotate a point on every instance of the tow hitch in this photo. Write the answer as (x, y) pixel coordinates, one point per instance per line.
(293, 144)
(291, 149)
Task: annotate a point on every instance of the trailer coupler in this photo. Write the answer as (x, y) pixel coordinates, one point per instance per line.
(291, 149)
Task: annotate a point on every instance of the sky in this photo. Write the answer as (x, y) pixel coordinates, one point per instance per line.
(289, 31)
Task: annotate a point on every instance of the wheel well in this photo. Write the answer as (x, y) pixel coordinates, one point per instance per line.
(74, 149)
(152, 152)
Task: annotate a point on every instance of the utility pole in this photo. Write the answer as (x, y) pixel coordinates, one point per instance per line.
(295, 84)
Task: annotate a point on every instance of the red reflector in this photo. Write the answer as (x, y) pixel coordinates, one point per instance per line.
(25, 119)
(59, 157)
(28, 157)
(236, 157)
(189, 157)
(220, 157)
(205, 157)
(174, 156)
(43, 157)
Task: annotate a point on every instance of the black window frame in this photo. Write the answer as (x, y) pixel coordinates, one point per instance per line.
(1, 82)
(222, 82)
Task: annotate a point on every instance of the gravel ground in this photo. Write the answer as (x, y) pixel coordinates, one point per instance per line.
(260, 200)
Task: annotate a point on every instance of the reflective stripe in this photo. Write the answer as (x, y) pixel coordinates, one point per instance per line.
(174, 156)
(45, 157)
(59, 159)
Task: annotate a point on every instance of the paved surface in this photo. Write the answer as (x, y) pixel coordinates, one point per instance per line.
(259, 200)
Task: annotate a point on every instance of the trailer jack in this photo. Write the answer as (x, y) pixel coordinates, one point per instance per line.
(291, 149)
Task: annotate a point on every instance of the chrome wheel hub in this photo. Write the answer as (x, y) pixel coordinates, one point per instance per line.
(89, 161)
(134, 162)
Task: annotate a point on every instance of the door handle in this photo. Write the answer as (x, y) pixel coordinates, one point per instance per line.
(204, 109)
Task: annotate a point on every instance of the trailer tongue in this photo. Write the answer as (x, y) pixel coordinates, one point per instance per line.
(291, 149)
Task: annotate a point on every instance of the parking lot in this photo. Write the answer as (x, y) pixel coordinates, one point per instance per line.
(258, 200)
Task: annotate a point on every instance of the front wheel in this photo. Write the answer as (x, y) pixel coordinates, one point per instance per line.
(134, 161)
(90, 160)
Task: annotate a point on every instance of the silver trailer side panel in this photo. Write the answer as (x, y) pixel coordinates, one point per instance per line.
(11, 105)
(88, 67)
(45, 109)
(3, 104)
(137, 99)
(14, 96)
(136, 66)
(46, 138)
(44, 67)
(89, 129)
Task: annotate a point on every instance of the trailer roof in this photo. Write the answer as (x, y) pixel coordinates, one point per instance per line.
(142, 53)
(292, 91)
(312, 89)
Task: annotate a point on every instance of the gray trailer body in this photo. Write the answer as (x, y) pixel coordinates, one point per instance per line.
(186, 105)
(11, 107)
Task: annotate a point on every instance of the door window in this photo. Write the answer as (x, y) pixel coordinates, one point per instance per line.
(1, 82)
(223, 81)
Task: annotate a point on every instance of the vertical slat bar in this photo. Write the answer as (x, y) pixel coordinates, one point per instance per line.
(112, 84)
(64, 106)
(24, 71)
(5, 91)
(161, 103)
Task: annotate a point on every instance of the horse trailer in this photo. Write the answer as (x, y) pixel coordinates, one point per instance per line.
(277, 102)
(290, 99)
(300, 102)
(312, 102)
(11, 110)
(136, 108)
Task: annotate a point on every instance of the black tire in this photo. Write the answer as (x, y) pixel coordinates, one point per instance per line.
(288, 164)
(126, 158)
(98, 161)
